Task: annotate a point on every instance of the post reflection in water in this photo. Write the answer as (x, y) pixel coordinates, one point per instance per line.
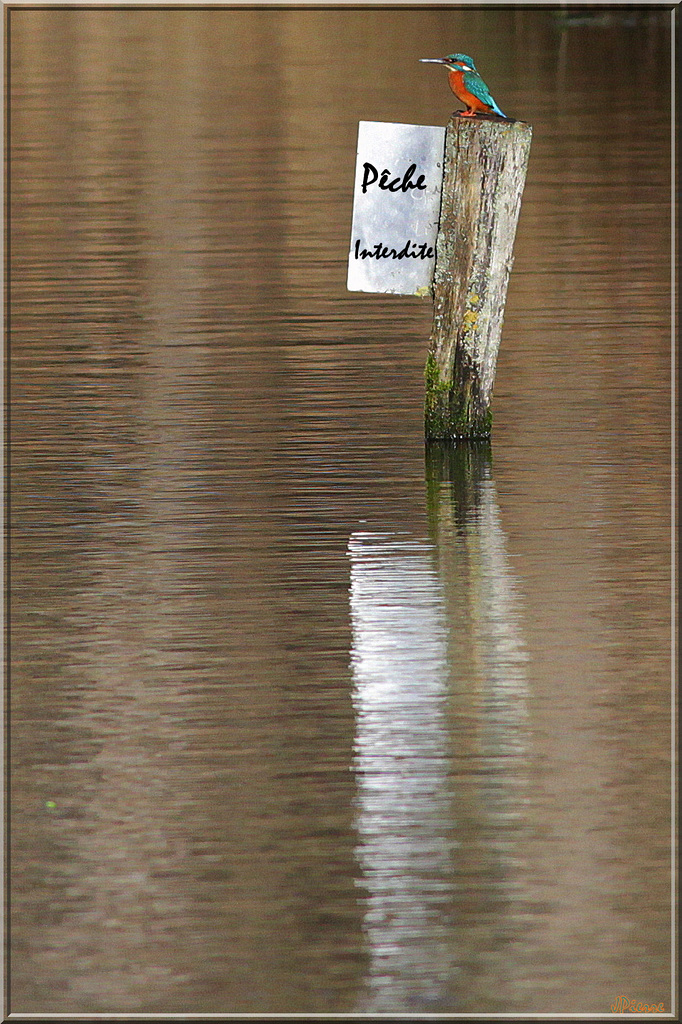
(465, 524)
(440, 703)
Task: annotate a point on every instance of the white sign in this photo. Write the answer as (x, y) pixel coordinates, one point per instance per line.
(396, 207)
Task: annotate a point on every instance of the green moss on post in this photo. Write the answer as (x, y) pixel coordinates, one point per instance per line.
(437, 404)
(484, 174)
(454, 412)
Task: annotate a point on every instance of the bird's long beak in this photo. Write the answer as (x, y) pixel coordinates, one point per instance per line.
(432, 60)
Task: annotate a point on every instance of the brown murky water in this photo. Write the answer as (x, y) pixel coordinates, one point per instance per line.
(303, 719)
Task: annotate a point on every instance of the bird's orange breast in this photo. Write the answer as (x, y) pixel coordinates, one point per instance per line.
(456, 79)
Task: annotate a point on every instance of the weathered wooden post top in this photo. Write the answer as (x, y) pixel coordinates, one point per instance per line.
(435, 212)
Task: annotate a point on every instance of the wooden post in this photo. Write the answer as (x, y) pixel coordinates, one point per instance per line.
(483, 178)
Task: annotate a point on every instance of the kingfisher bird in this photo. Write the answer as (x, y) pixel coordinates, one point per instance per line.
(467, 84)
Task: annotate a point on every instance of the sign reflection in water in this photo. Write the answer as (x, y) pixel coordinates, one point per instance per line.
(439, 683)
(405, 820)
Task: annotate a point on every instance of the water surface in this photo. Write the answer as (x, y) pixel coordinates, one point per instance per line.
(305, 718)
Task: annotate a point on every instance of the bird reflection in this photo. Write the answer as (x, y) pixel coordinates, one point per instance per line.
(439, 698)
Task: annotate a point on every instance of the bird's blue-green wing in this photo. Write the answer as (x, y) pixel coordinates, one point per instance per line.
(477, 86)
